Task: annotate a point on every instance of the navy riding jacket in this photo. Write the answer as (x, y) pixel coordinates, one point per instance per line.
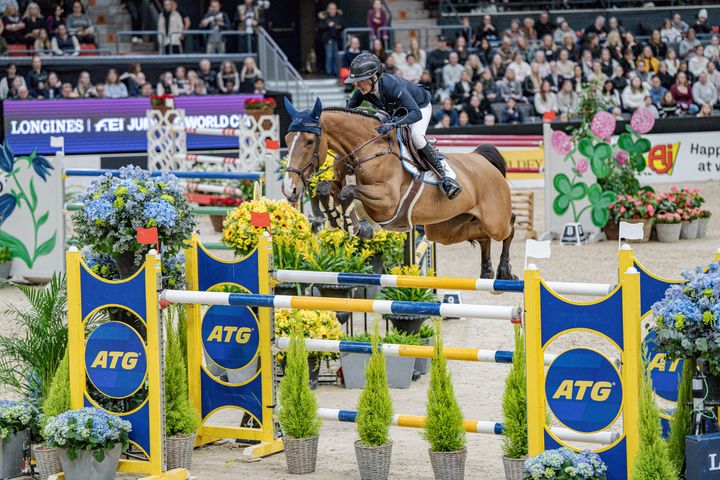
(395, 93)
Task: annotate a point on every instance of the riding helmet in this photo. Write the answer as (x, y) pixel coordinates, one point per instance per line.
(365, 65)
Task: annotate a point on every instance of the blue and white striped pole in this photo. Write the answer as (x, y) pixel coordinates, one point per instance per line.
(87, 172)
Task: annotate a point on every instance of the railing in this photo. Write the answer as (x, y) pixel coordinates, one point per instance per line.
(137, 33)
(50, 53)
(423, 31)
(348, 32)
(277, 68)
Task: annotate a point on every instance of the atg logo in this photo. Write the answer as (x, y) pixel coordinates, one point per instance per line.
(577, 389)
(230, 336)
(110, 359)
(661, 158)
(229, 333)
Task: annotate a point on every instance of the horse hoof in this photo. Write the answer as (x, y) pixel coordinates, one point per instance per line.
(505, 273)
(365, 231)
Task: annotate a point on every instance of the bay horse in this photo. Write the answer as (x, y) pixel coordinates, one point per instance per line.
(481, 213)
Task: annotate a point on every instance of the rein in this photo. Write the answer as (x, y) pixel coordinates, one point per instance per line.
(356, 163)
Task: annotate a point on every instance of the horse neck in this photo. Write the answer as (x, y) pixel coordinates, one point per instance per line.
(346, 131)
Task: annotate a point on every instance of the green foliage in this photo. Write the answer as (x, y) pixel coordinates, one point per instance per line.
(426, 331)
(58, 398)
(5, 254)
(28, 362)
(375, 409)
(395, 336)
(681, 423)
(570, 192)
(444, 429)
(514, 403)
(180, 417)
(653, 459)
(407, 294)
(298, 405)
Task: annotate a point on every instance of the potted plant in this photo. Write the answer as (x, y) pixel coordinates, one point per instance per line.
(298, 415)
(373, 449)
(90, 442)
(16, 420)
(667, 226)
(703, 223)
(681, 424)
(514, 406)
(388, 250)
(399, 369)
(288, 255)
(635, 209)
(317, 324)
(181, 420)
(553, 464)
(5, 261)
(258, 107)
(427, 336)
(444, 429)
(57, 402)
(405, 322)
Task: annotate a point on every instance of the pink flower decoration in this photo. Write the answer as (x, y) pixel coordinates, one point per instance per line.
(582, 166)
(561, 142)
(621, 157)
(603, 125)
(642, 120)
(651, 210)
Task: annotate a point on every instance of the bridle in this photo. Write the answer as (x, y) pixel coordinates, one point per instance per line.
(307, 171)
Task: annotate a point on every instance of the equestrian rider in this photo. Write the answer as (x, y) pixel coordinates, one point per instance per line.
(390, 93)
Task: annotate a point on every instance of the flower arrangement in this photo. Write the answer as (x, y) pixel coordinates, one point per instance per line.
(266, 103)
(336, 251)
(687, 318)
(16, 416)
(315, 324)
(285, 220)
(408, 294)
(565, 463)
(639, 207)
(114, 207)
(86, 429)
(664, 218)
(390, 245)
(326, 172)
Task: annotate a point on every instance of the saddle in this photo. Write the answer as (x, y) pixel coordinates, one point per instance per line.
(415, 163)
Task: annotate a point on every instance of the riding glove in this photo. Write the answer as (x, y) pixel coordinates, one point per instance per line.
(385, 128)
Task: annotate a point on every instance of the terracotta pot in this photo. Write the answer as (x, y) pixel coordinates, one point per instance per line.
(611, 230)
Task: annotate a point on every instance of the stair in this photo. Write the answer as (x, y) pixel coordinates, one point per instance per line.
(330, 92)
(408, 13)
(110, 17)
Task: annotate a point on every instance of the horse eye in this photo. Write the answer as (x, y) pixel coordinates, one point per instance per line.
(309, 143)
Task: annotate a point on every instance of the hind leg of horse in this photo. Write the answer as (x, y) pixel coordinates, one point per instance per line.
(487, 268)
(504, 271)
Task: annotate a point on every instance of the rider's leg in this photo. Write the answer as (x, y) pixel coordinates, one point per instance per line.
(451, 188)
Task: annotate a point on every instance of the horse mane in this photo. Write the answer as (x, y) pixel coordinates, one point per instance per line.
(352, 111)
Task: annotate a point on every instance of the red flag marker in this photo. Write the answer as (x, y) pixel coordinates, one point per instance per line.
(147, 236)
(271, 144)
(260, 219)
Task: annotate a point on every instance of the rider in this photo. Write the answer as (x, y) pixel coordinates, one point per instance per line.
(390, 93)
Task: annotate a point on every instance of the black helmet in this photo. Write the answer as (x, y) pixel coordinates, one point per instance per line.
(365, 65)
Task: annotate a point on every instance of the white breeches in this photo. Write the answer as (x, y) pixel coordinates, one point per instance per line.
(419, 128)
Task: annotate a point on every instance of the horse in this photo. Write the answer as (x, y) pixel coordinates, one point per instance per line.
(480, 214)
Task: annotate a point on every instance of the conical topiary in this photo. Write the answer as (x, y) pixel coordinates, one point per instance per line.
(375, 410)
(653, 459)
(298, 406)
(180, 417)
(58, 399)
(514, 403)
(444, 429)
(681, 423)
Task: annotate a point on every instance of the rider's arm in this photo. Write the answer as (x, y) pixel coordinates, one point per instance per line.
(355, 100)
(408, 102)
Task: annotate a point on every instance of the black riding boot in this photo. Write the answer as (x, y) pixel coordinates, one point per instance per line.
(451, 188)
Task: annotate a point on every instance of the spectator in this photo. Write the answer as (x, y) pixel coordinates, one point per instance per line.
(642, 72)
(669, 33)
(477, 108)
(14, 27)
(247, 18)
(474, 67)
(571, 46)
(614, 26)
(146, 90)
(53, 87)
(134, 9)
(597, 75)
(56, 18)
(598, 28)
(649, 105)
(701, 25)
(496, 67)
(23, 93)
(704, 92)
(698, 63)
(166, 85)
(171, 25)
(182, 81)
(330, 28)
(462, 89)
(513, 32)
(130, 79)
(378, 49)
(544, 26)
(489, 120)
(64, 44)
(705, 111)
(511, 113)
(509, 88)
(628, 61)
(465, 30)
(461, 49)
(36, 78)
(545, 100)
(85, 88)
(34, 24)
(113, 87)
(656, 45)
(528, 29)
(657, 91)
(447, 109)
(563, 29)
(666, 80)
(100, 90)
(633, 97)
(463, 119)
(548, 48)
(208, 76)
(80, 24)
(567, 100)
(651, 63)
(610, 95)
(352, 51)
(714, 75)
(520, 67)
(565, 66)
(485, 51)
(444, 122)
(248, 74)
(5, 3)
(486, 30)
(618, 78)
(671, 62)
(411, 70)
(554, 78)
(684, 69)
(607, 63)
(678, 23)
(7, 82)
(217, 22)
(420, 55)
(712, 51)
(199, 88)
(688, 44)
(632, 44)
(426, 80)
(390, 66)
(489, 87)
(533, 82)
(586, 62)
(451, 72)
(615, 45)
(542, 63)
(67, 91)
(398, 54)
(578, 78)
(506, 51)
(377, 18)
(682, 94)
(523, 47)
(260, 87)
(42, 45)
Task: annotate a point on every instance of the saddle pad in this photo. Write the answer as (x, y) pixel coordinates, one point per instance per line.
(427, 177)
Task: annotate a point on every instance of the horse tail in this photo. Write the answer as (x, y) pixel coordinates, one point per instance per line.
(493, 156)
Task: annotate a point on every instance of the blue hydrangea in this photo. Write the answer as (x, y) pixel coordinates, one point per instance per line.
(162, 212)
(99, 209)
(565, 463)
(86, 429)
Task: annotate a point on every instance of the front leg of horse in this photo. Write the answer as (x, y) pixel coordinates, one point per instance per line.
(324, 193)
(351, 223)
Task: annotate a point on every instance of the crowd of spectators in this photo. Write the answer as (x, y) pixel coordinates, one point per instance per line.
(537, 68)
(39, 83)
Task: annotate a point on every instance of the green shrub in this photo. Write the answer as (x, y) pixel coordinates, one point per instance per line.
(58, 398)
(298, 405)
(653, 459)
(514, 403)
(180, 417)
(444, 428)
(5, 254)
(375, 410)
(403, 338)
(681, 423)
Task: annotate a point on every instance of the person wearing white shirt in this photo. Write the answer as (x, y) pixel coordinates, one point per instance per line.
(543, 65)
(672, 62)
(704, 92)
(545, 99)
(451, 72)
(563, 30)
(712, 51)
(398, 54)
(714, 76)
(669, 33)
(520, 67)
(565, 66)
(411, 70)
(633, 96)
(698, 63)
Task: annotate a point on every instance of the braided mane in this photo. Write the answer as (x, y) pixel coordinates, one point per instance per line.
(352, 111)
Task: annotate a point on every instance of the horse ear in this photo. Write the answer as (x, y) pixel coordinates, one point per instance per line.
(292, 111)
(317, 109)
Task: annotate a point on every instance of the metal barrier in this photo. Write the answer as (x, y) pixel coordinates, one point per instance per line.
(277, 69)
(137, 33)
(348, 31)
